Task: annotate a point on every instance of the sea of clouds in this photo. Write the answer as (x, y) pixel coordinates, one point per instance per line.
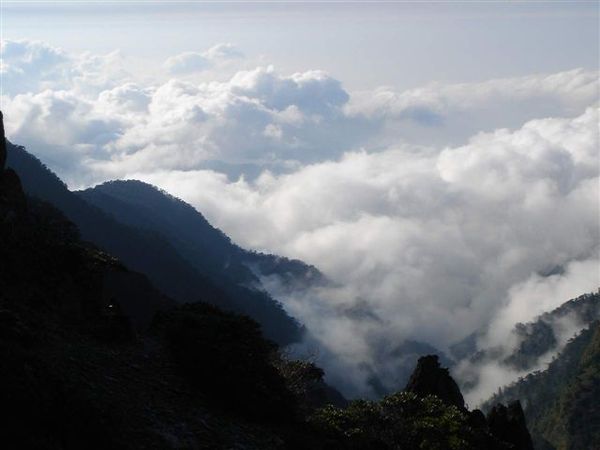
(436, 212)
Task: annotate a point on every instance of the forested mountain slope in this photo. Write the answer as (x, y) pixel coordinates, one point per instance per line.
(211, 251)
(149, 252)
(94, 357)
(561, 403)
(536, 341)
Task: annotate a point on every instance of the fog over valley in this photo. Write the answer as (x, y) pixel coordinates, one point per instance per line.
(440, 212)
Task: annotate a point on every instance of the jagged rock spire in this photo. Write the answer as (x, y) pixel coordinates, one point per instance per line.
(429, 378)
(3, 143)
(508, 424)
(12, 198)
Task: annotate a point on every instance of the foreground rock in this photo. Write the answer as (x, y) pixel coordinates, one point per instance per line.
(429, 378)
(12, 198)
(508, 424)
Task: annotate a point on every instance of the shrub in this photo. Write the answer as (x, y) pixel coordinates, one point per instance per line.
(225, 357)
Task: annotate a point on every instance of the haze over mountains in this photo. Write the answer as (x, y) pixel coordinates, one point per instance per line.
(561, 402)
(262, 208)
(83, 367)
(190, 260)
(435, 211)
(531, 347)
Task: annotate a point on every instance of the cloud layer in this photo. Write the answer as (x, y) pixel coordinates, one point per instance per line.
(191, 62)
(254, 120)
(423, 245)
(435, 211)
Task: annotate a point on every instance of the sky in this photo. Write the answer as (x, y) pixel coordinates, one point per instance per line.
(438, 161)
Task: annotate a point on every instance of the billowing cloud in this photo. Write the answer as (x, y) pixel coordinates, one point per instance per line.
(28, 65)
(191, 62)
(438, 114)
(423, 245)
(255, 120)
(223, 51)
(34, 66)
(431, 210)
(187, 62)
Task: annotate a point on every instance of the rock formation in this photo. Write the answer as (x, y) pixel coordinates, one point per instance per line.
(429, 378)
(12, 197)
(2, 144)
(503, 425)
(508, 425)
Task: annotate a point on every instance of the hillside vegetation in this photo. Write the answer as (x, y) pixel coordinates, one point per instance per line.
(561, 403)
(95, 357)
(150, 251)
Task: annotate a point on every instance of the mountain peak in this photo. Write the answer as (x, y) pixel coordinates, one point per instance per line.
(3, 143)
(508, 424)
(12, 198)
(429, 378)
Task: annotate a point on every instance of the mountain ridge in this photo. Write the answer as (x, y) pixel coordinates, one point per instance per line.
(77, 373)
(561, 402)
(147, 252)
(145, 206)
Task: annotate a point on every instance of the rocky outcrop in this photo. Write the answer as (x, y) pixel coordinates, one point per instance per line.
(429, 378)
(508, 425)
(504, 426)
(12, 197)
(2, 143)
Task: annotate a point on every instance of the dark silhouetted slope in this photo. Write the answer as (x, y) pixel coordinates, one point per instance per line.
(82, 370)
(429, 378)
(429, 414)
(144, 206)
(149, 252)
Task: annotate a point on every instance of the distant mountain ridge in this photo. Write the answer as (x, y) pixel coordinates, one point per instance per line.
(144, 206)
(536, 339)
(94, 357)
(539, 337)
(561, 403)
(152, 254)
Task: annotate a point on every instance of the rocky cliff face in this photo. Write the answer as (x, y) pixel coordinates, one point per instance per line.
(429, 378)
(79, 367)
(3, 143)
(129, 233)
(505, 424)
(508, 425)
(12, 198)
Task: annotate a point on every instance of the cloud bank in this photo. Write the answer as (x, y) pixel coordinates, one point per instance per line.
(190, 62)
(435, 211)
(254, 120)
(423, 245)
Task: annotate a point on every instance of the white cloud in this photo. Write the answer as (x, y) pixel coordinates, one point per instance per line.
(427, 245)
(187, 62)
(427, 207)
(223, 51)
(438, 114)
(260, 119)
(191, 62)
(34, 66)
(28, 65)
(539, 294)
